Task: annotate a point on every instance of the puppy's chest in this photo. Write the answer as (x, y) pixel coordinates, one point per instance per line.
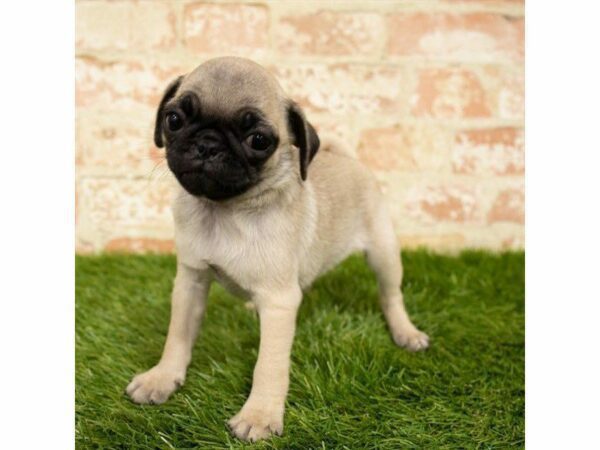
(242, 252)
(237, 285)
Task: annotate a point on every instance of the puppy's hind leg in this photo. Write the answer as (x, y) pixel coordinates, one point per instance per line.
(383, 255)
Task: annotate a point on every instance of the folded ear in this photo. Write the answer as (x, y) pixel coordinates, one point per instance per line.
(304, 136)
(168, 95)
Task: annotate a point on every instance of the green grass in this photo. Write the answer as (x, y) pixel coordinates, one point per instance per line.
(350, 386)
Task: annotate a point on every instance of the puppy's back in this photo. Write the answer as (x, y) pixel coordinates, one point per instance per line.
(340, 179)
(347, 198)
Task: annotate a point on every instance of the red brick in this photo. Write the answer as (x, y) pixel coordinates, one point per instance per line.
(120, 85)
(226, 28)
(83, 247)
(345, 88)
(124, 25)
(113, 204)
(448, 241)
(513, 242)
(433, 204)
(102, 25)
(497, 151)
(140, 245)
(330, 33)
(509, 206)
(450, 93)
(341, 130)
(509, 86)
(111, 144)
(404, 147)
(456, 36)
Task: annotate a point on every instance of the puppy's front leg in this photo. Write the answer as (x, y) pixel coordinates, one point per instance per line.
(262, 414)
(187, 307)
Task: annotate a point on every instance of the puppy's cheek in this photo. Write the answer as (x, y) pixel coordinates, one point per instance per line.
(273, 159)
(268, 164)
(173, 161)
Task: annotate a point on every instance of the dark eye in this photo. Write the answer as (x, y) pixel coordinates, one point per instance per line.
(258, 141)
(248, 120)
(174, 121)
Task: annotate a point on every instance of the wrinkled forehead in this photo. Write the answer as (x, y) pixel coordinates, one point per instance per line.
(224, 89)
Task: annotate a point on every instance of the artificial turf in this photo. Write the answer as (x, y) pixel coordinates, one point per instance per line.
(350, 386)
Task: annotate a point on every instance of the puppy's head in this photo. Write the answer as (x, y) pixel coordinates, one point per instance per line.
(226, 127)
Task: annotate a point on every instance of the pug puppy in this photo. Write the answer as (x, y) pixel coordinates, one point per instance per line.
(259, 210)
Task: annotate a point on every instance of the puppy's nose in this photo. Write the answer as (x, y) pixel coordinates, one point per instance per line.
(208, 148)
(209, 145)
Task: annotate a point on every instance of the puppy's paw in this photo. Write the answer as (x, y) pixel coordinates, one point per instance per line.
(154, 386)
(412, 339)
(254, 423)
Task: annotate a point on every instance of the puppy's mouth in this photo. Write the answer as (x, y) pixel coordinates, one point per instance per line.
(224, 176)
(191, 173)
(214, 184)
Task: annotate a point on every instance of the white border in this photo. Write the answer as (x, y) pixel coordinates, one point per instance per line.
(563, 224)
(36, 236)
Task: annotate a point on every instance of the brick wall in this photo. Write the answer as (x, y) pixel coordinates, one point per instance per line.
(430, 93)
